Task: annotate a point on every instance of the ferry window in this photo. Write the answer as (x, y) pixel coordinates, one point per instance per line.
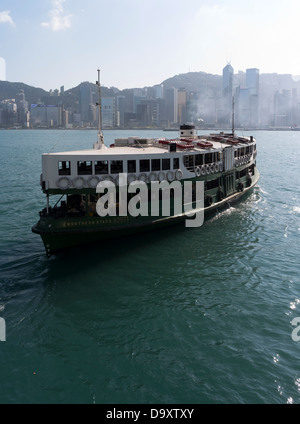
(189, 161)
(131, 166)
(208, 158)
(175, 163)
(198, 160)
(155, 164)
(84, 168)
(116, 166)
(101, 167)
(145, 165)
(166, 164)
(64, 168)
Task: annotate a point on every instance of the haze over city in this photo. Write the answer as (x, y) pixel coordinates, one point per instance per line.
(139, 43)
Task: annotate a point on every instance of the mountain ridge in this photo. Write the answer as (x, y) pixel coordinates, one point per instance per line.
(192, 81)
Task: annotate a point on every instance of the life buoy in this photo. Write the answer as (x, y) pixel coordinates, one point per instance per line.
(79, 182)
(178, 174)
(170, 175)
(108, 178)
(64, 183)
(216, 167)
(152, 177)
(212, 168)
(203, 170)
(198, 171)
(142, 177)
(207, 167)
(93, 181)
(161, 176)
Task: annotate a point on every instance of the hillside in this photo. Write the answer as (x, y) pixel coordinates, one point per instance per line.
(8, 90)
(197, 82)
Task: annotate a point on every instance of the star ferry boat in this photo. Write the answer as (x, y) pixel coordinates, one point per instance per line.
(225, 163)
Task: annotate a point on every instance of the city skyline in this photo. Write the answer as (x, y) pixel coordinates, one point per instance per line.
(139, 43)
(261, 101)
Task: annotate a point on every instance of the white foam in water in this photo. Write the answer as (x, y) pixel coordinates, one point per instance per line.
(222, 213)
(296, 209)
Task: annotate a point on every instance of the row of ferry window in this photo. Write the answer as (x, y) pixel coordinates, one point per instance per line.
(117, 166)
(201, 159)
(145, 165)
(243, 151)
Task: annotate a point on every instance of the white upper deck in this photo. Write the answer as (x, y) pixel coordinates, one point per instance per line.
(146, 159)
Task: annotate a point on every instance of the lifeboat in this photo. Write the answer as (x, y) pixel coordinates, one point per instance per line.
(165, 142)
(231, 141)
(205, 144)
(187, 140)
(184, 146)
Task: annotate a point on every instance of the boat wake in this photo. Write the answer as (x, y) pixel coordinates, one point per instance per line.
(225, 212)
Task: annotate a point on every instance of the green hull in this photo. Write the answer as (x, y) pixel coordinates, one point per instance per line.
(64, 233)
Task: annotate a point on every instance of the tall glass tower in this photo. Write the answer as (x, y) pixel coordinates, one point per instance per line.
(252, 84)
(252, 81)
(227, 85)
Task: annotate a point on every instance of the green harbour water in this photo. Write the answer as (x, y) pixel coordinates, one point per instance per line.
(180, 316)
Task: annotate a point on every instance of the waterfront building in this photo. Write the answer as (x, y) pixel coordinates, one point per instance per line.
(252, 85)
(227, 92)
(282, 108)
(172, 105)
(108, 112)
(49, 116)
(182, 106)
(85, 102)
(120, 111)
(22, 109)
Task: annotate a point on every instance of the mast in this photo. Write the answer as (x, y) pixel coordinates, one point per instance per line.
(232, 115)
(100, 140)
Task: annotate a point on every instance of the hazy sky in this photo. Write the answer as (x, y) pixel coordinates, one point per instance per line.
(139, 43)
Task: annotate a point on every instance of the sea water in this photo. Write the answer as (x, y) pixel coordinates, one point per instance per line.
(180, 316)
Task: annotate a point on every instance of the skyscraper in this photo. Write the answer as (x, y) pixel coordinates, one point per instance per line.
(227, 93)
(252, 85)
(172, 105)
(227, 85)
(252, 81)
